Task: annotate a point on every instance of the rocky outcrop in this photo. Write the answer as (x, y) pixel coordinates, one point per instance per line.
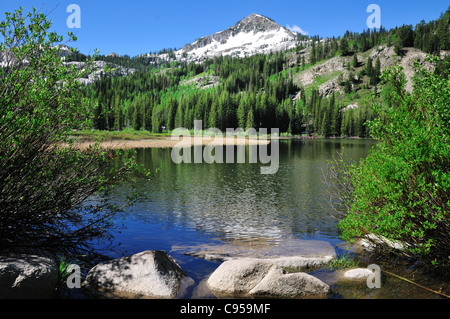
(350, 107)
(328, 88)
(260, 278)
(27, 277)
(152, 274)
(7, 59)
(334, 65)
(337, 66)
(204, 82)
(98, 69)
(388, 58)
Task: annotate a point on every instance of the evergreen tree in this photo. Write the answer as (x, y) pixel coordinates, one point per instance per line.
(313, 54)
(377, 70)
(156, 119)
(355, 60)
(118, 117)
(250, 120)
(242, 112)
(326, 123)
(172, 110)
(178, 122)
(348, 86)
(213, 120)
(369, 68)
(344, 47)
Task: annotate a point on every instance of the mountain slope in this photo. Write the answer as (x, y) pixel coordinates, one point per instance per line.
(324, 75)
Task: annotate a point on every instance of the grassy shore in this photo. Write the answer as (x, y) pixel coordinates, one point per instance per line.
(124, 135)
(127, 139)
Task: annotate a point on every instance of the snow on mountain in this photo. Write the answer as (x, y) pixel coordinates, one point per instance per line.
(252, 35)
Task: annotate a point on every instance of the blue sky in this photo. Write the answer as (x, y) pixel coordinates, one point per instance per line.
(136, 26)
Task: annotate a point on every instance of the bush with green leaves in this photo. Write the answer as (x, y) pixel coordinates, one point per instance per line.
(49, 190)
(401, 191)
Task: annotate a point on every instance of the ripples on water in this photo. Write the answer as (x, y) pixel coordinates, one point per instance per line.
(235, 201)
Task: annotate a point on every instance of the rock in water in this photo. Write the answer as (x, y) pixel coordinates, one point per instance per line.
(358, 274)
(277, 284)
(152, 274)
(259, 278)
(238, 277)
(27, 277)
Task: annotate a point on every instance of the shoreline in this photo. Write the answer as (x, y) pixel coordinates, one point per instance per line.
(172, 142)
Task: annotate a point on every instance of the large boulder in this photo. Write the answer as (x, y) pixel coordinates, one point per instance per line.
(152, 274)
(277, 284)
(237, 277)
(27, 277)
(262, 278)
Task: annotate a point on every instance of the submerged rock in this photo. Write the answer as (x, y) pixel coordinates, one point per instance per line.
(152, 274)
(293, 253)
(27, 277)
(302, 262)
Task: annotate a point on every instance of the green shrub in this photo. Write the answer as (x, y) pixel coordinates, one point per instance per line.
(44, 189)
(402, 189)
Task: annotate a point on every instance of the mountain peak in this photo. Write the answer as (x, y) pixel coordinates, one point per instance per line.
(256, 22)
(257, 16)
(253, 34)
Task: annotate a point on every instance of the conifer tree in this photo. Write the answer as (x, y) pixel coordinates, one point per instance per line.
(312, 56)
(250, 120)
(344, 47)
(355, 60)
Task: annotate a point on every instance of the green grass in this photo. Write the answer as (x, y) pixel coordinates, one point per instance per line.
(343, 261)
(362, 97)
(319, 80)
(63, 270)
(126, 134)
(134, 135)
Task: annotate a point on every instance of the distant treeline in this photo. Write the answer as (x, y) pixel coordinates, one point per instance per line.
(431, 37)
(255, 91)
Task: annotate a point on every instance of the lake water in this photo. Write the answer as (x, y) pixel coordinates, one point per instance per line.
(190, 205)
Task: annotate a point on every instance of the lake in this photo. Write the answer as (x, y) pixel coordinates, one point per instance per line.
(192, 205)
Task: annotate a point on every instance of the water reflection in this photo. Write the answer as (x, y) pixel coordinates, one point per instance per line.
(237, 202)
